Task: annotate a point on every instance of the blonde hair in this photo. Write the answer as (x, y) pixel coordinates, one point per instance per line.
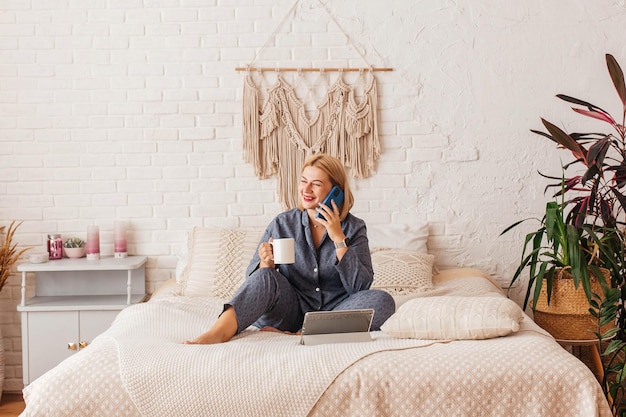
(337, 174)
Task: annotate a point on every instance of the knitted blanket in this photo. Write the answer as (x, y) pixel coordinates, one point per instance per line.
(256, 373)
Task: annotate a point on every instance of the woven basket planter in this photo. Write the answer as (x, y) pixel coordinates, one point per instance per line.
(567, 316)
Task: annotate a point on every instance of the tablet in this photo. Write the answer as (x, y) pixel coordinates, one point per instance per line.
(339, 326)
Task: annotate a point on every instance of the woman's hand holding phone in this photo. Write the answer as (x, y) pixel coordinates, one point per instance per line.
(335, 194)
(332, 223)
(328, 214)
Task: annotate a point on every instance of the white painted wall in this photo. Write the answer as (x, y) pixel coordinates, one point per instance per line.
(130, 109)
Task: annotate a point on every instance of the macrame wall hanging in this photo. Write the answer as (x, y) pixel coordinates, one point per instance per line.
(280, 131)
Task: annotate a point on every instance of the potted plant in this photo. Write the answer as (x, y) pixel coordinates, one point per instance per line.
(564, 274)
(9, 254)
(596, 200)
(597, 194)
(74, 247)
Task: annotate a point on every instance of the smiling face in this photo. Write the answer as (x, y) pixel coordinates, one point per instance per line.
(315, 184)
(319, 173)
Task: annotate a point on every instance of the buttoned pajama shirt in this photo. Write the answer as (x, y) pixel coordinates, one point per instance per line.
(316, 281)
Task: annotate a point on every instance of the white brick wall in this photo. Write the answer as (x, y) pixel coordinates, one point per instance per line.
(129, 109)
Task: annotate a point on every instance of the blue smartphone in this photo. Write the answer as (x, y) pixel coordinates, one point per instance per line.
(335, 194)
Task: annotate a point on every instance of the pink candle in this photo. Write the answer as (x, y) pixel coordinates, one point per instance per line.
(119, 239)
(93, 242)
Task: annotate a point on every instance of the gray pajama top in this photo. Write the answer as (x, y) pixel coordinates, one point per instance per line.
(320, 281)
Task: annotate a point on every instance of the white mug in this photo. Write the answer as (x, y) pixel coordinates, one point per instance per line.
(284, 252)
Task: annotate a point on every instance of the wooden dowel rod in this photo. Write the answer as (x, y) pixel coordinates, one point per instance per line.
(283, 69)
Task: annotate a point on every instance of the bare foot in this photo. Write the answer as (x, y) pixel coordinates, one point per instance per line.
(209, 338)
(275, 330)
(271, 329)
(222, 331)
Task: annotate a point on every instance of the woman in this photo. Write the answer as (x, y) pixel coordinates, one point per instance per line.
(333, 268)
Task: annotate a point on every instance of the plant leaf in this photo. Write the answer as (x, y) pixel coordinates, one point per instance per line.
(620, 174)
(566, 141)
(9, 253)
(512, 226)
(591, 172)
(598, 150)
(539, 132)
(617, 76)
(605, 117)
(574, 100)
(613, 346)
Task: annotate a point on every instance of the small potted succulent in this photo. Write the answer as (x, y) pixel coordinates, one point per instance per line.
(74, 247)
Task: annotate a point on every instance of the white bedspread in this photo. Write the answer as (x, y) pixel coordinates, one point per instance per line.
(140, 368)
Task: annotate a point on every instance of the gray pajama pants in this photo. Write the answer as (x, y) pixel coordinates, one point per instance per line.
(266, 298)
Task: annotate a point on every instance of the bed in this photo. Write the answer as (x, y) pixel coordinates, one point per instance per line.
(455, 347)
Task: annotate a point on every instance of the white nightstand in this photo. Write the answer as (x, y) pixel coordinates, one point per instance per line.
(75, 300)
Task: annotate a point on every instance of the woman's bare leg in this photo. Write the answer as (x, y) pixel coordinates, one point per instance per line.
(222, 331)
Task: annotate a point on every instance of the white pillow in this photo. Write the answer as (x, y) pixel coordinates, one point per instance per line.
(399, 236)
(454, 317)
(401, 272)
(217, 260)
(182, 256)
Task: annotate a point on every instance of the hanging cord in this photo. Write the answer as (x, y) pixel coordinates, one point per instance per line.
(345, 34)
(291, 13)
(276, 30)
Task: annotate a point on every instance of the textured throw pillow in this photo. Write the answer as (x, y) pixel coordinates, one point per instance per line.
(401, 272)
(217, 260)
(398, 236)
(454, 317)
